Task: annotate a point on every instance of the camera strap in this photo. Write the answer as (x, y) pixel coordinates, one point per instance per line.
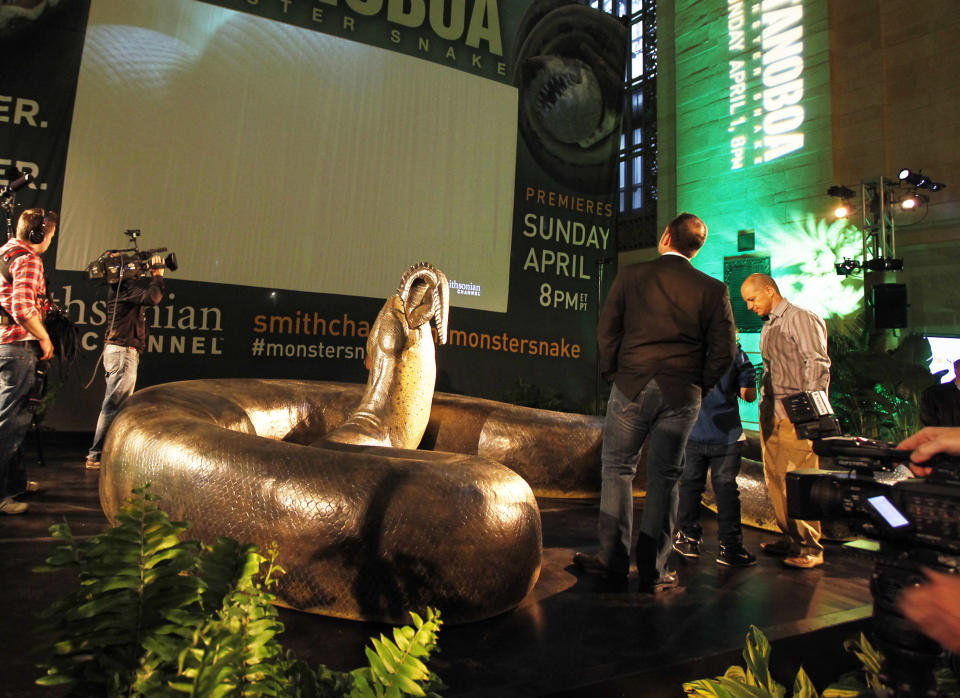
(5, 262)
(5, 259)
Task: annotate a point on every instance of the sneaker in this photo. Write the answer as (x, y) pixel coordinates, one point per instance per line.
(9, 505)
(92, 464)
(735, 556)
(687, 546)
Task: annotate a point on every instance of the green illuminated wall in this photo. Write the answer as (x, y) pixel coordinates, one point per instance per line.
(754, 148)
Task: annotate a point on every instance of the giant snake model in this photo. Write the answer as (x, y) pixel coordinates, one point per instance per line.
(367, 527)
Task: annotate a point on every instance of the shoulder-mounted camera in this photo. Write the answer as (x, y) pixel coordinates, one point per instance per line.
(131, 263)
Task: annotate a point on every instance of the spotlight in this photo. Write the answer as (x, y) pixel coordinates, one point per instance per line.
(844, 208)
(847, 267)
(911, 202)
(915, 178)
(881, 264)
(919, 180)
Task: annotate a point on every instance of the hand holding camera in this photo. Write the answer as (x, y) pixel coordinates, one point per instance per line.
(927, 443)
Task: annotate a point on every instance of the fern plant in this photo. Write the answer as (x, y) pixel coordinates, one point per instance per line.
(397, 667)
(131, 577)
(154, 616)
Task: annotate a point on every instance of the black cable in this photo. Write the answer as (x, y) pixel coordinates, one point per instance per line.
(65, 338)
(109, 326)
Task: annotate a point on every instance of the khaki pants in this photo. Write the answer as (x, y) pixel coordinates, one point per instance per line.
(783, 452)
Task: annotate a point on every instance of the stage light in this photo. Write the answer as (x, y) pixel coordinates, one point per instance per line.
(919, 180)
(913, 201)
(847, 267)
(844, 208)
(915, 178)
(882, 264)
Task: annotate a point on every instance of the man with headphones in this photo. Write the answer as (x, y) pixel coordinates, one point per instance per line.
(125, 338)
(23, 341)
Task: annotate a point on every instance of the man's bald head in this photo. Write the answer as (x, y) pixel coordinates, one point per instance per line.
(761, 293)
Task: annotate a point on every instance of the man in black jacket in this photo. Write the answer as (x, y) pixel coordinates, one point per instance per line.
(124, 340)
(666, 336)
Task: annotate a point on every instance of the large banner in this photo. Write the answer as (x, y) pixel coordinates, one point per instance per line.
(754, 151)
(299, 155)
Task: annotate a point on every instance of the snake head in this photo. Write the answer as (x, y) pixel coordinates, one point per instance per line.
(426, 296)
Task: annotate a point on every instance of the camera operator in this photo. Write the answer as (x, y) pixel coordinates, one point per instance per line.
(124, 340)
(934, 606)
(23, 341)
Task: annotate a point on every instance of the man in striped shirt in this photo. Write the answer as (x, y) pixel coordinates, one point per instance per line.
(23, 340)
(793, 343)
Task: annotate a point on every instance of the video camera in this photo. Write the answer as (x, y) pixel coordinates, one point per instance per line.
(132, 263)
(916, 522)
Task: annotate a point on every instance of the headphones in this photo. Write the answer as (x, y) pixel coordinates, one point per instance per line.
(37, 233)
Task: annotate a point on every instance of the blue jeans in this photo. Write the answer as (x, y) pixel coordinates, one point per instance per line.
(120, 365)
(18, 363)
(723, 463)
(628, 424)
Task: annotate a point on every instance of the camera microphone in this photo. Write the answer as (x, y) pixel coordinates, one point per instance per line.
(21, 180)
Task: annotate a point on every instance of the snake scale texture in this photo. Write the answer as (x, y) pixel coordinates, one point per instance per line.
(365, 532)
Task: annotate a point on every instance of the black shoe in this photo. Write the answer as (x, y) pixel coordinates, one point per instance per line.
(687, 546)
(735, 556)
(668, 580)
(591, 564)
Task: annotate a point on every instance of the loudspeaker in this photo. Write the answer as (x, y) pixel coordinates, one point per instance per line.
(37, 233)
(889, 306)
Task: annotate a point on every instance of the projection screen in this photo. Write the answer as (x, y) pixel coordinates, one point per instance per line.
(279, 157)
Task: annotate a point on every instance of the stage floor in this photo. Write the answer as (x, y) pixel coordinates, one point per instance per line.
(573, 635)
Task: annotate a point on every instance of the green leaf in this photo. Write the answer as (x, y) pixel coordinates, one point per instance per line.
(54, 680)
(408, 686)
(724, 688)
(736, 673)
(848, 686)
(380, 671)
(803, 686)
